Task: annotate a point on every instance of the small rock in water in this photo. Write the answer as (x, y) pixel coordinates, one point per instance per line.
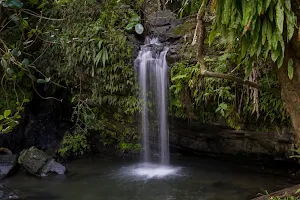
(37, 162)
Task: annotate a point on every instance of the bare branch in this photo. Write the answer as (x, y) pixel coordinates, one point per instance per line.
(29, 12)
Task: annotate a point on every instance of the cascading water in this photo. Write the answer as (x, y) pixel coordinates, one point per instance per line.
(153, 72)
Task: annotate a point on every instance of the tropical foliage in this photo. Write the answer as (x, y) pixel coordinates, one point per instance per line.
(244, 38)
(80, 46)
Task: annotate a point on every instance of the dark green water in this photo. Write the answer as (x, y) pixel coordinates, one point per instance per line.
(113, 179)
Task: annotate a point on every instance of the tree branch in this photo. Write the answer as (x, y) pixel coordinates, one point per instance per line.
(199, 40)
(229, 77)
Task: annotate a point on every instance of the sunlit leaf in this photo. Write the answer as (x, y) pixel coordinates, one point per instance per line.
(130, 26)
(6, 113)
(279, 16)
(290, 69)
(12, 4)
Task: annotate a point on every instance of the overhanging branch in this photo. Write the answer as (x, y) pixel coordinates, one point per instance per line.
(199, 40)
(206, 73)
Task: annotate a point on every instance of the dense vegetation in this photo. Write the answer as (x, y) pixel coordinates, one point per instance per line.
(241, 74)
(240, 43)
(87, 53)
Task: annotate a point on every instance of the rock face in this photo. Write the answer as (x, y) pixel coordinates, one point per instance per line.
(216, 140)
(8, 165)
(173, 32)
(39, 163)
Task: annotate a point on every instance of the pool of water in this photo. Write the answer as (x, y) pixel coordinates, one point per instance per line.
(123, 179)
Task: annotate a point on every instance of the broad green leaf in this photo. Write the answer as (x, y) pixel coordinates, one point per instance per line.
(130, 26)
(267, 4)
(274, 41)
(41, 6)
(25, 62)
(224, 106)
(16, 4)
(6, 113)
(271, 12)
(3, 62)
(288, 4)
(279, 16)
(1, 117)
(139, 29)
(290, 69)
(222, 112)
(16, 52)
(280, 61)
(1, 128)
(17, 116)
(100, 44)
(24, 23)
(244, 48)
(259, 7)
(266, 51)
(181, 76)
(290, 21)
(26, 100)
(212, 35)
(20, 74)
(275, 54)
(135, 19)
(14, 18)
(247, 11)
(10, 71)
(226, 12)
(264, 30)
(98, 57)
(259, 47)
(104, 57)
(269, 33)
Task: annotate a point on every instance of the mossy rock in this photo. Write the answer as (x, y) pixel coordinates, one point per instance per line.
(38, 163)
(185, 28)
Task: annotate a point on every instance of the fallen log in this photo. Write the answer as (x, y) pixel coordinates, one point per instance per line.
(287, 192)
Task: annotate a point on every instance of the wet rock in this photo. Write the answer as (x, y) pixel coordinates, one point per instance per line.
(7, 192)
(161, 24)
(37, 162)
(8, 165)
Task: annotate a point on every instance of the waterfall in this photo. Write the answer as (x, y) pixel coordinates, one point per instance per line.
(153, 79)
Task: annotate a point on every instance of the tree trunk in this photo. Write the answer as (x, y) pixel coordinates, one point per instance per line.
(290, 89)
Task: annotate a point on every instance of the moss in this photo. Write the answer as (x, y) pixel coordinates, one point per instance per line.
(185, 28)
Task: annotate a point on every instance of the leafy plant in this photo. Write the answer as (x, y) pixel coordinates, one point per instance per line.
(73, 144)
(135, 23)
(258, 26)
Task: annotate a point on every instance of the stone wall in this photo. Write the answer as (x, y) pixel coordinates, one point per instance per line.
(217, 140)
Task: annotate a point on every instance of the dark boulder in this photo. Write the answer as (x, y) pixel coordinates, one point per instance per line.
(8, 163)
(38, 163)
